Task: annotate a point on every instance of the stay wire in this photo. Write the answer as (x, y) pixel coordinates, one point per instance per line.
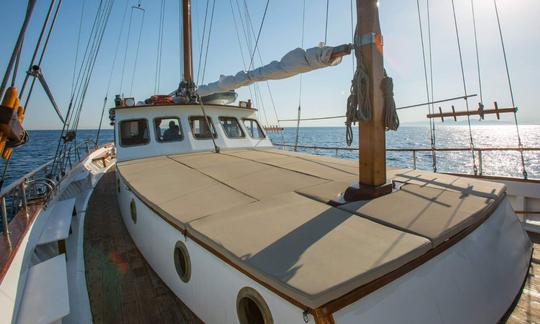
(111, 73)
(202, 42)
(134, 70)
(475, 168)
(432, 88)
(126, 53)
(259, 34)
(297, 136)
(159, 48)
(326, 22)
(477, 55)
(520, 143)
(428, 95)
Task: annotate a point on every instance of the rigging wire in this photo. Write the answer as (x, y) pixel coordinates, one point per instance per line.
(481, 104)
(520, 143)
(202, 42)
(126, 53)
(134, 70)
(18, 46)
(159, 48)
(77, 47)
(111, 73)
(36, 49)
(248, 32)
(258, 34)
(326, 22)
(428, 96)
(300, 78)
(432, 87)
(475, 168)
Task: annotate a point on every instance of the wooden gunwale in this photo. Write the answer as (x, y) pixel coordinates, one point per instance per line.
(323, 314)
(19, 227)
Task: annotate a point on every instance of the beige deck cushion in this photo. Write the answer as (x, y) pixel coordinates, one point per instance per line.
(178, 192)
(434, 213)
(307, 249)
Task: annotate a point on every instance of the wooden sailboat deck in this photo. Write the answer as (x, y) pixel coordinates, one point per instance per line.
(121, 285)
(124, 289)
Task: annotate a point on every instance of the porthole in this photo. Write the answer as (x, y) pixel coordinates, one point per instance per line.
(118, 185)
(133, 209)
(182, 262)
(252, 308)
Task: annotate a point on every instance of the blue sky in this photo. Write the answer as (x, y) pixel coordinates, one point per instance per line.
(324, 91)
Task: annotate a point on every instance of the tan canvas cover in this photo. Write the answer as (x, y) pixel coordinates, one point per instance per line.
(267, 212)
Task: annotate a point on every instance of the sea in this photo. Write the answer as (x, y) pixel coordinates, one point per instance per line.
(42, 145)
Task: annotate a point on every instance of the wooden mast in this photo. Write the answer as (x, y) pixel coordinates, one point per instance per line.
(188, 60)
(372, 150)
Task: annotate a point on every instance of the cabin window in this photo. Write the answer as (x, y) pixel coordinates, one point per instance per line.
(182, 262)
(253, 128)
(168, 129)
(200, 129)
(251, 307)
(134, 132)
(231, 127)
(133, 211)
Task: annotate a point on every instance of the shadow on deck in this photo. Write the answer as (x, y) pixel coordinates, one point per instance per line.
(121, 285)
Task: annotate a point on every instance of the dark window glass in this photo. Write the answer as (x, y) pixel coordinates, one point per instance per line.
(231, 127)
(199, 127)
(253, 128)
(168, 129)
(134, 132)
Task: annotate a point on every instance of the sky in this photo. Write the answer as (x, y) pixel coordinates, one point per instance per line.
(324, 92)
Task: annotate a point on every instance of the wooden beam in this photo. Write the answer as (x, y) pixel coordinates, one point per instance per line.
(372, 150)
(472, 113)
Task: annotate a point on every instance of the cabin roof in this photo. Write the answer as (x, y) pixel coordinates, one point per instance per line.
(266, 211)
(182, 105)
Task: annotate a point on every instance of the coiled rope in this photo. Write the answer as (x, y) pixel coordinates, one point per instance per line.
(358, 103)
(359, 107)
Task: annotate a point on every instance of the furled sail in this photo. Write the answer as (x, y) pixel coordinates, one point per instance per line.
(295, 62)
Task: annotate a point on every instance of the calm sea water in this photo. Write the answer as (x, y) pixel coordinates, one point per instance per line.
(42, 146)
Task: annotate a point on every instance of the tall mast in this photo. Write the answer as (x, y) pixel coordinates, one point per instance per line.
(372, 150)
(188, 60)
(186, 89)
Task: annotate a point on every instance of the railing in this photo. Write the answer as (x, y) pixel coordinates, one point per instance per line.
(38, 185)
(413, 151)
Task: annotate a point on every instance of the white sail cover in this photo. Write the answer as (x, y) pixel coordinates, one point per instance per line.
(295, 62)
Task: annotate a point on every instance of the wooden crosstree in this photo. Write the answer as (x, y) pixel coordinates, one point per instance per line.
(479, 112)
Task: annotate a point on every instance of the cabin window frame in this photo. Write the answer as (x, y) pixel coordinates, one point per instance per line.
(201, 118)
(120, 135)
(179, 125)
(243, 135)
(258, 125)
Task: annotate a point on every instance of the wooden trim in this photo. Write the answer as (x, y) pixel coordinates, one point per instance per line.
(323, 314)
(7, 255)
(534, 212)
(182, 105)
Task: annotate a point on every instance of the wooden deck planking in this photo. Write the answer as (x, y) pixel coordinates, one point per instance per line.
(527, 309)
(121, 285)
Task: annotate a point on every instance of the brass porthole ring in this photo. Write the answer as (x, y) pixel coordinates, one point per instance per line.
(182, 262)
(133, 209)
(251, 307)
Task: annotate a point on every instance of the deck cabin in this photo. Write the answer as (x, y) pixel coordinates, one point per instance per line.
(145, 131)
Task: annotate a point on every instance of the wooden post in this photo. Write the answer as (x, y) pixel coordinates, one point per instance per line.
(188, 60)
(372, 151)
